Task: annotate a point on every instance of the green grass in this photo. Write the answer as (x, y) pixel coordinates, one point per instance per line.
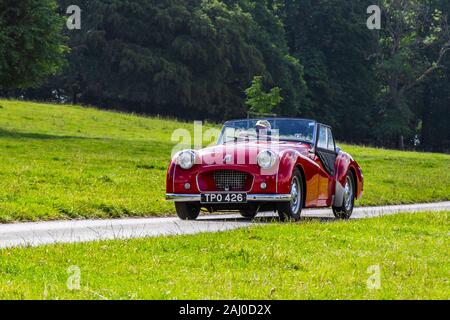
(310, 260)
(396, 177)
(68, 162)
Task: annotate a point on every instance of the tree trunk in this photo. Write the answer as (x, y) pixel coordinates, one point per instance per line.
(401, 142)
(426, 115)
(74, 98)
(396, 100)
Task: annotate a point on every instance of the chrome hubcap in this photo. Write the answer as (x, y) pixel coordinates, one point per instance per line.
(296, 195)
(348, 194)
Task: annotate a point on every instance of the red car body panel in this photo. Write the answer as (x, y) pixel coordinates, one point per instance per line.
(320, 186)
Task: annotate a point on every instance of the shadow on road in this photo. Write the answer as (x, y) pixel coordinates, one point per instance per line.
(263, 220)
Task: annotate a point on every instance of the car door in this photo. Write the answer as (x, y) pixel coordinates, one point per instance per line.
(326, 149)
(326, 154)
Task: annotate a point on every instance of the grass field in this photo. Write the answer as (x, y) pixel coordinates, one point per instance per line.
(66, 162)
(310, 260)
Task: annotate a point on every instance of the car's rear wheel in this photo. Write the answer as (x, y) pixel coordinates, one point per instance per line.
(187, 211)
(291, 211)
(348, 203)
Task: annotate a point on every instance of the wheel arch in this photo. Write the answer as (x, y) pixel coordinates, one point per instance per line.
(339, 188)
(290, 161)
(355, 178)
(302, 173)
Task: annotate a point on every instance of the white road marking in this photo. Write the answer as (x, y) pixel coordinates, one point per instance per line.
(42, 233)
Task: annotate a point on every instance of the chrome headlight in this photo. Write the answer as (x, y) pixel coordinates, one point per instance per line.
(186, 159)
(267, 159)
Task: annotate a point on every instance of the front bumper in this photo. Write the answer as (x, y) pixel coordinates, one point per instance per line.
(250, 197)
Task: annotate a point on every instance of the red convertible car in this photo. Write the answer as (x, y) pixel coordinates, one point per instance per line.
(259, 165)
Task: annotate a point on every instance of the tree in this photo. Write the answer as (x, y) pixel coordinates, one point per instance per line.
(432, 96)
(259, 101)
(31, 42)
(184, 58)
(410, 27)
(332, 43)
(283, 69)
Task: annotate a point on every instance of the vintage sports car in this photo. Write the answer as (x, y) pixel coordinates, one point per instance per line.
(275, 164)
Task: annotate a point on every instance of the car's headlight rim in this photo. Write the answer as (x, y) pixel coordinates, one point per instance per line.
(266, 159)
(186, 159)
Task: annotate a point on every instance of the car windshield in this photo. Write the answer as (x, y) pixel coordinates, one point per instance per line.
(297, 130)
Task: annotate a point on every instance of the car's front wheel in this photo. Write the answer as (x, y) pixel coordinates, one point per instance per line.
(292, 210)
(248, 213)
(187, 211)
(348, 202)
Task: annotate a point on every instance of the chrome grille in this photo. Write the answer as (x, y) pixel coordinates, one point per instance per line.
(230, 180)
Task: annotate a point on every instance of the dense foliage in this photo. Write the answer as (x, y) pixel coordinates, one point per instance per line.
(332, 42)
(195, 59)
(192, 59)
(30, 42)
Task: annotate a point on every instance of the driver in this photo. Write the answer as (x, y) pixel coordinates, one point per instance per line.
(263, 127)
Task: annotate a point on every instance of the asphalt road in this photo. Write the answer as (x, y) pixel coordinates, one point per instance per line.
(41, 233)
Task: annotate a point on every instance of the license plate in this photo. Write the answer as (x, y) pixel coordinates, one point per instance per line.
(224, 198)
